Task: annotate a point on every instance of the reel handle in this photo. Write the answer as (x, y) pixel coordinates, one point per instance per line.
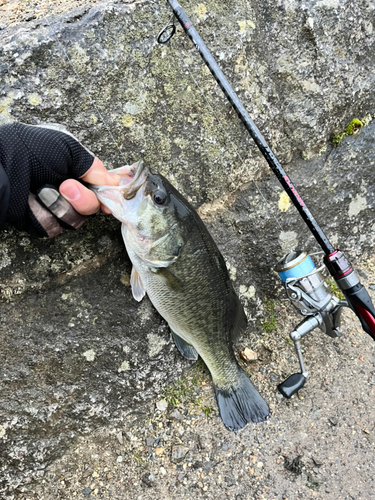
(292, 385)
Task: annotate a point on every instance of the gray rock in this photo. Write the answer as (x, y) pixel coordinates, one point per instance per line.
(175, 415)
(178, 453)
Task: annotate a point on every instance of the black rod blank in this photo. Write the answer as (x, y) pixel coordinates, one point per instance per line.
(251, 127)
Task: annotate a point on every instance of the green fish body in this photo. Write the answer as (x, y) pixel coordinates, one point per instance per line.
(177, 263)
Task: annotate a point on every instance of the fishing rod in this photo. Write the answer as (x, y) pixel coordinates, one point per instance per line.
(304, 283)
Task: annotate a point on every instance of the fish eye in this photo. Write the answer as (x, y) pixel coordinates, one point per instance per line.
(159, 198)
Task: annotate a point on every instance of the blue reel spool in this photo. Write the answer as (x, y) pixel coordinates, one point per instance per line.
(294, 265)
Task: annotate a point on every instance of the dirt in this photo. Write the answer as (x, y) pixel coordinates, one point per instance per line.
(13, 12)
(317, 445)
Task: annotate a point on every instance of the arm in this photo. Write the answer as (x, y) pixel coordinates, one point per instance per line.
(4, 195)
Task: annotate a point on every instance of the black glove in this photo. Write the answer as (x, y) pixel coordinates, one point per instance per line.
(32, 157)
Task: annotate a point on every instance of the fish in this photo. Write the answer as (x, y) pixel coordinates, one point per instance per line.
(176, 262)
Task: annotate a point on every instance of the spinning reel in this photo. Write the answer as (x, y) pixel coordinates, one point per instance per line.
(313, 299)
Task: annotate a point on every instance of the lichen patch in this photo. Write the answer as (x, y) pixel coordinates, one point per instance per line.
(89, 355)
(284, 202)
(35, 99)
(124, 366)
(357, 205)
(155, 344)
(288, 241)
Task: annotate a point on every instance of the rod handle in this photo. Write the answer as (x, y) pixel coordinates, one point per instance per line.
(355, 293)
(360, 301)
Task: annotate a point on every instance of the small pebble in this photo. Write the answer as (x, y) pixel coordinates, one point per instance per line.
(150, 442)
(334, 420)
(248, 355)
(162, 405)
(119, 437)
(175, 415)
(178, 453)
(86, 491)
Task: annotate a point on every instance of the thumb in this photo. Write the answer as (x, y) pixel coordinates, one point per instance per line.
(98, 174)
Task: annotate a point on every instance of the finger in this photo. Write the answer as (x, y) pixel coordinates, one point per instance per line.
(60, 207)
(48, 222)
(98, 174)
(104, 209)
(81, 198)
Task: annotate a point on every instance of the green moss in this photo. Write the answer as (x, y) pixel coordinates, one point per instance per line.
(207, 410)
(337, 138)
(185, 389)
(269, 324)
(354, 127)
(335, 289)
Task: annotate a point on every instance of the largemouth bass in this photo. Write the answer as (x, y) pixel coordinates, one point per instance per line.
(177, 263)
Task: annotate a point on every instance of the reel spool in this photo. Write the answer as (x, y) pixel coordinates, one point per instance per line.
(312, 298)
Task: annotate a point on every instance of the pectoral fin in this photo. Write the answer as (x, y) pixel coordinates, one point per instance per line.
(137, 287)
(170, 279)
(185, 349)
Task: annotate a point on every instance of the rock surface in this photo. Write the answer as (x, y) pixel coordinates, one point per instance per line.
(77, 353)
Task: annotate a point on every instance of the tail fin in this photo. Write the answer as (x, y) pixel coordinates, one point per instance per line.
(240, 404)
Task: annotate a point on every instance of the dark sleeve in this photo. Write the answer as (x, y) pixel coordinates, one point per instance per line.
(32, 157)
(4, 195)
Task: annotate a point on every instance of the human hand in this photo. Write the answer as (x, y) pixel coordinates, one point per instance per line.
(82, 198)
(35, 161)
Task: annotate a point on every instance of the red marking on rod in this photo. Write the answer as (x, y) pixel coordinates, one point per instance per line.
(330, 255)
(368, 318)
(344, 274)
(187, 24)
(294, 190)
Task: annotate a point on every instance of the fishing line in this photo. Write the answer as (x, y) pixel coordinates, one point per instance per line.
(86, 91)
(267, 205)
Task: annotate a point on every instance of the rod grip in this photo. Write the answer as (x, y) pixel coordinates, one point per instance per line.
(360, 301)
(355, 293)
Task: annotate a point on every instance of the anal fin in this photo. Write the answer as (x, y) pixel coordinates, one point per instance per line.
(185, 349)
(138, 289)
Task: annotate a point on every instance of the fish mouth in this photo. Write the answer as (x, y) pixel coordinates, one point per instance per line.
(137, 180)
(131, 180)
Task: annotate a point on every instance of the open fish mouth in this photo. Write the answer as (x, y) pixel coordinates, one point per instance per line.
(136, 179)
(131, 180)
